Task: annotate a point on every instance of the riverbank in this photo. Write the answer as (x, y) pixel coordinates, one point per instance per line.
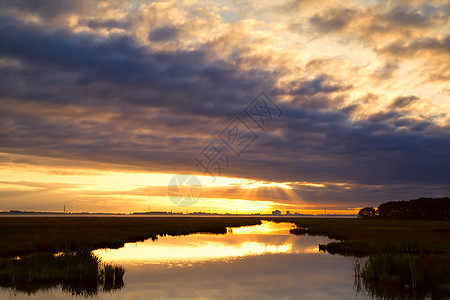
(378, 236)
(20, 236)
(356, 236)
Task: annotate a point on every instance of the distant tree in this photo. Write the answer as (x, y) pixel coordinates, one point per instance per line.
(367, 212)
(422, 208)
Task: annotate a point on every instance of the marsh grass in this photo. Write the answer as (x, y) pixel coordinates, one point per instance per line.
(359, 237)
(79, 273)
(299, 231)
(112, 277)
(385, 246)
(398, 276)
(25, 235)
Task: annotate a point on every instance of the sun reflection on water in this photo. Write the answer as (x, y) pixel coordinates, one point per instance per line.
(267, 238)
(265, 228)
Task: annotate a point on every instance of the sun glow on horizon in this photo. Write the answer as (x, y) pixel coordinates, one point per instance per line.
(121, 191)
(126, 191)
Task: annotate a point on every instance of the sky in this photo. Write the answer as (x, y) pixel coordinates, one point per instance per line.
(291, 105)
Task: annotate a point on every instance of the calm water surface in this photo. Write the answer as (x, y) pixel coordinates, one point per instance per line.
(255, 262)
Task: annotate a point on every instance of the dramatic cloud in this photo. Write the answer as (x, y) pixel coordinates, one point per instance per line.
(144, 87)
(334, 19)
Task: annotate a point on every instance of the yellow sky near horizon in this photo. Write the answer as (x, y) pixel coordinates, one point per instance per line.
(95, 190)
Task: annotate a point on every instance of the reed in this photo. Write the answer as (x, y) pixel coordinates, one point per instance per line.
(79, 272)
(404, 275)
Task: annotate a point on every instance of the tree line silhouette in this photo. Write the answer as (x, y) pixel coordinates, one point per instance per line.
(422, 208)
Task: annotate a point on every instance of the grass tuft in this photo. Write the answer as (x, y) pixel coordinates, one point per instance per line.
(403, 275)
(79, 272)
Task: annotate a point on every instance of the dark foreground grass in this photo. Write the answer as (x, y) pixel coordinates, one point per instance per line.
(79, 273)
(23, 235)
(403, 276)
(377, 236)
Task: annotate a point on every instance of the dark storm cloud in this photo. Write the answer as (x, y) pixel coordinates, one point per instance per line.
(387, 71)
(44, 8)
(358, 195)
(401, 102)
(368, 22)
(405, 15)
(422, 44)
(89, 75)
(108, 24)
(67, 52)
(320, 84)
(119, 60)
(163, 34)
(326, 146)
(333, 19)
(408, 16)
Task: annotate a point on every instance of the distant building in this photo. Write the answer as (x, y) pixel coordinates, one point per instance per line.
(287, 213)
(276, 213)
